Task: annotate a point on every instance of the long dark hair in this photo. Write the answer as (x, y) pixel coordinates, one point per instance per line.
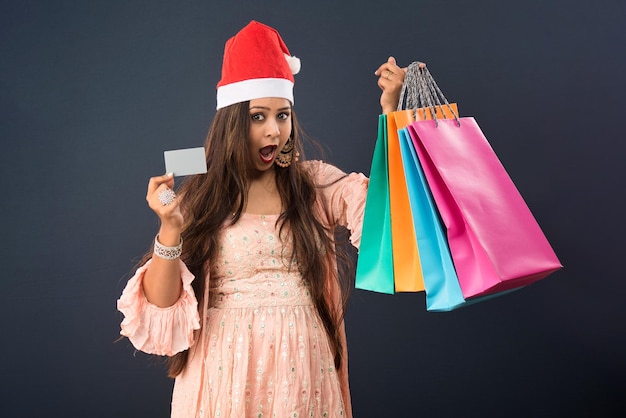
(210, 199)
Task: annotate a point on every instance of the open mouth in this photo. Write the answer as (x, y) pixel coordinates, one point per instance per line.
(268, 153)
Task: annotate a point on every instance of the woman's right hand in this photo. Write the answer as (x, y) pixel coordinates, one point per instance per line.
(170, 215)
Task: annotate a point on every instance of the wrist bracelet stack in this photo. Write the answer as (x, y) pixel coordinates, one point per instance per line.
(168, 253)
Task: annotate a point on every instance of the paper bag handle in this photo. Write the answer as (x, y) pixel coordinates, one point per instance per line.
(420, 91)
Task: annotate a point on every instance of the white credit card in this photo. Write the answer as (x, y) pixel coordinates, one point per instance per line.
(185, 162)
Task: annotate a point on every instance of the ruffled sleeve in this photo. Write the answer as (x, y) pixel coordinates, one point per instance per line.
(342, 197)
(155, 330)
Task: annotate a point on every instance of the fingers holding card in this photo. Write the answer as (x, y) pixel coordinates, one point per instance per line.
(163, 200)
(161, 196)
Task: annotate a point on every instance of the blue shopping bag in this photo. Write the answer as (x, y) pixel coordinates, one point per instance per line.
(443, 292)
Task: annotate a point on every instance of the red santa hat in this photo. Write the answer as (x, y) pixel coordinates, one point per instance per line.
(256, 64)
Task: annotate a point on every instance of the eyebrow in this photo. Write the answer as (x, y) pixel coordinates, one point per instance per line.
(267, 108)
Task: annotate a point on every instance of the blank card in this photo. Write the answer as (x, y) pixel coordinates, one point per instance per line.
(185, 162)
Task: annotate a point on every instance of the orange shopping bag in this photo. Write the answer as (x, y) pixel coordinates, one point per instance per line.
(407, 270)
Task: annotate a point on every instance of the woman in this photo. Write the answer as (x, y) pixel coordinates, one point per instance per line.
(242, 290)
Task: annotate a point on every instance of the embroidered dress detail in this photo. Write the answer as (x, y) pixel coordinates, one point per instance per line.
(267, 352)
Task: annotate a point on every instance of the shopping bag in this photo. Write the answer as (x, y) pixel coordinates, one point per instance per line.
(443, 292)
(494, 240)
(374, 270)
(407, 272)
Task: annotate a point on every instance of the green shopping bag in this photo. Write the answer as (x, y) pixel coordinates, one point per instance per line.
(374, 270)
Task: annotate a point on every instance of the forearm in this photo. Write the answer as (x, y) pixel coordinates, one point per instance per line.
(162, 283)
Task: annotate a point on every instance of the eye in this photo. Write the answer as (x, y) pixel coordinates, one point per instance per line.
(257, 117)
(283, 115)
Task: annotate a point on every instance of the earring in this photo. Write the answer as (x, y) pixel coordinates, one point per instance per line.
(284, 158)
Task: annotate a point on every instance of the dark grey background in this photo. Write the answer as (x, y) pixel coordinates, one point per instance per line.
(92, 93)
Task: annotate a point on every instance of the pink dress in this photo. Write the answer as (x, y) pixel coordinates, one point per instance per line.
(262, 350)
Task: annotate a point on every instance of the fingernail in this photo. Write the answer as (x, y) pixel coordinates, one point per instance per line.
(170, 174)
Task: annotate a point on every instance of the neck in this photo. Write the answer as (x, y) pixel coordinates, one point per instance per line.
(263, 195)
(265, 180)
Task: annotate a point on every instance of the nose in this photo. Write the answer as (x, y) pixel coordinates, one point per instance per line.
(272, 130)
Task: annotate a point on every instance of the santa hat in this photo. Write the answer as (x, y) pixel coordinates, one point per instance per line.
(256, 64)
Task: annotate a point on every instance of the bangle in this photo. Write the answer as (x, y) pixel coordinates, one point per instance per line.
(168, 253)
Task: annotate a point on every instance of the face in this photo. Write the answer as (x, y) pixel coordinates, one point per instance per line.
(270, 128)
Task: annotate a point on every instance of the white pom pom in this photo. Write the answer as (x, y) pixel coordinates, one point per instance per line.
(294, 64)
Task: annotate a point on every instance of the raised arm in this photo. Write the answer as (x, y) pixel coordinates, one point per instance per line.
(159, 304)
(161, 283)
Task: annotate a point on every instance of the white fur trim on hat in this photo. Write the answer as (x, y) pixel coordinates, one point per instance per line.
(254, 89)
(294, 64)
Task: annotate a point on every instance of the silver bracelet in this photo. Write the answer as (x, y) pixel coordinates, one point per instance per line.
(168, 253)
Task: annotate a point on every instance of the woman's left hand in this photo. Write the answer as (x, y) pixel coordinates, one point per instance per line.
(390, 79)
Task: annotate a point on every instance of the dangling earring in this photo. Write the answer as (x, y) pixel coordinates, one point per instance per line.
(284, 158)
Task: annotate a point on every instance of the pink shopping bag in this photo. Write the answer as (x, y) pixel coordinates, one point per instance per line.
(495, 242)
